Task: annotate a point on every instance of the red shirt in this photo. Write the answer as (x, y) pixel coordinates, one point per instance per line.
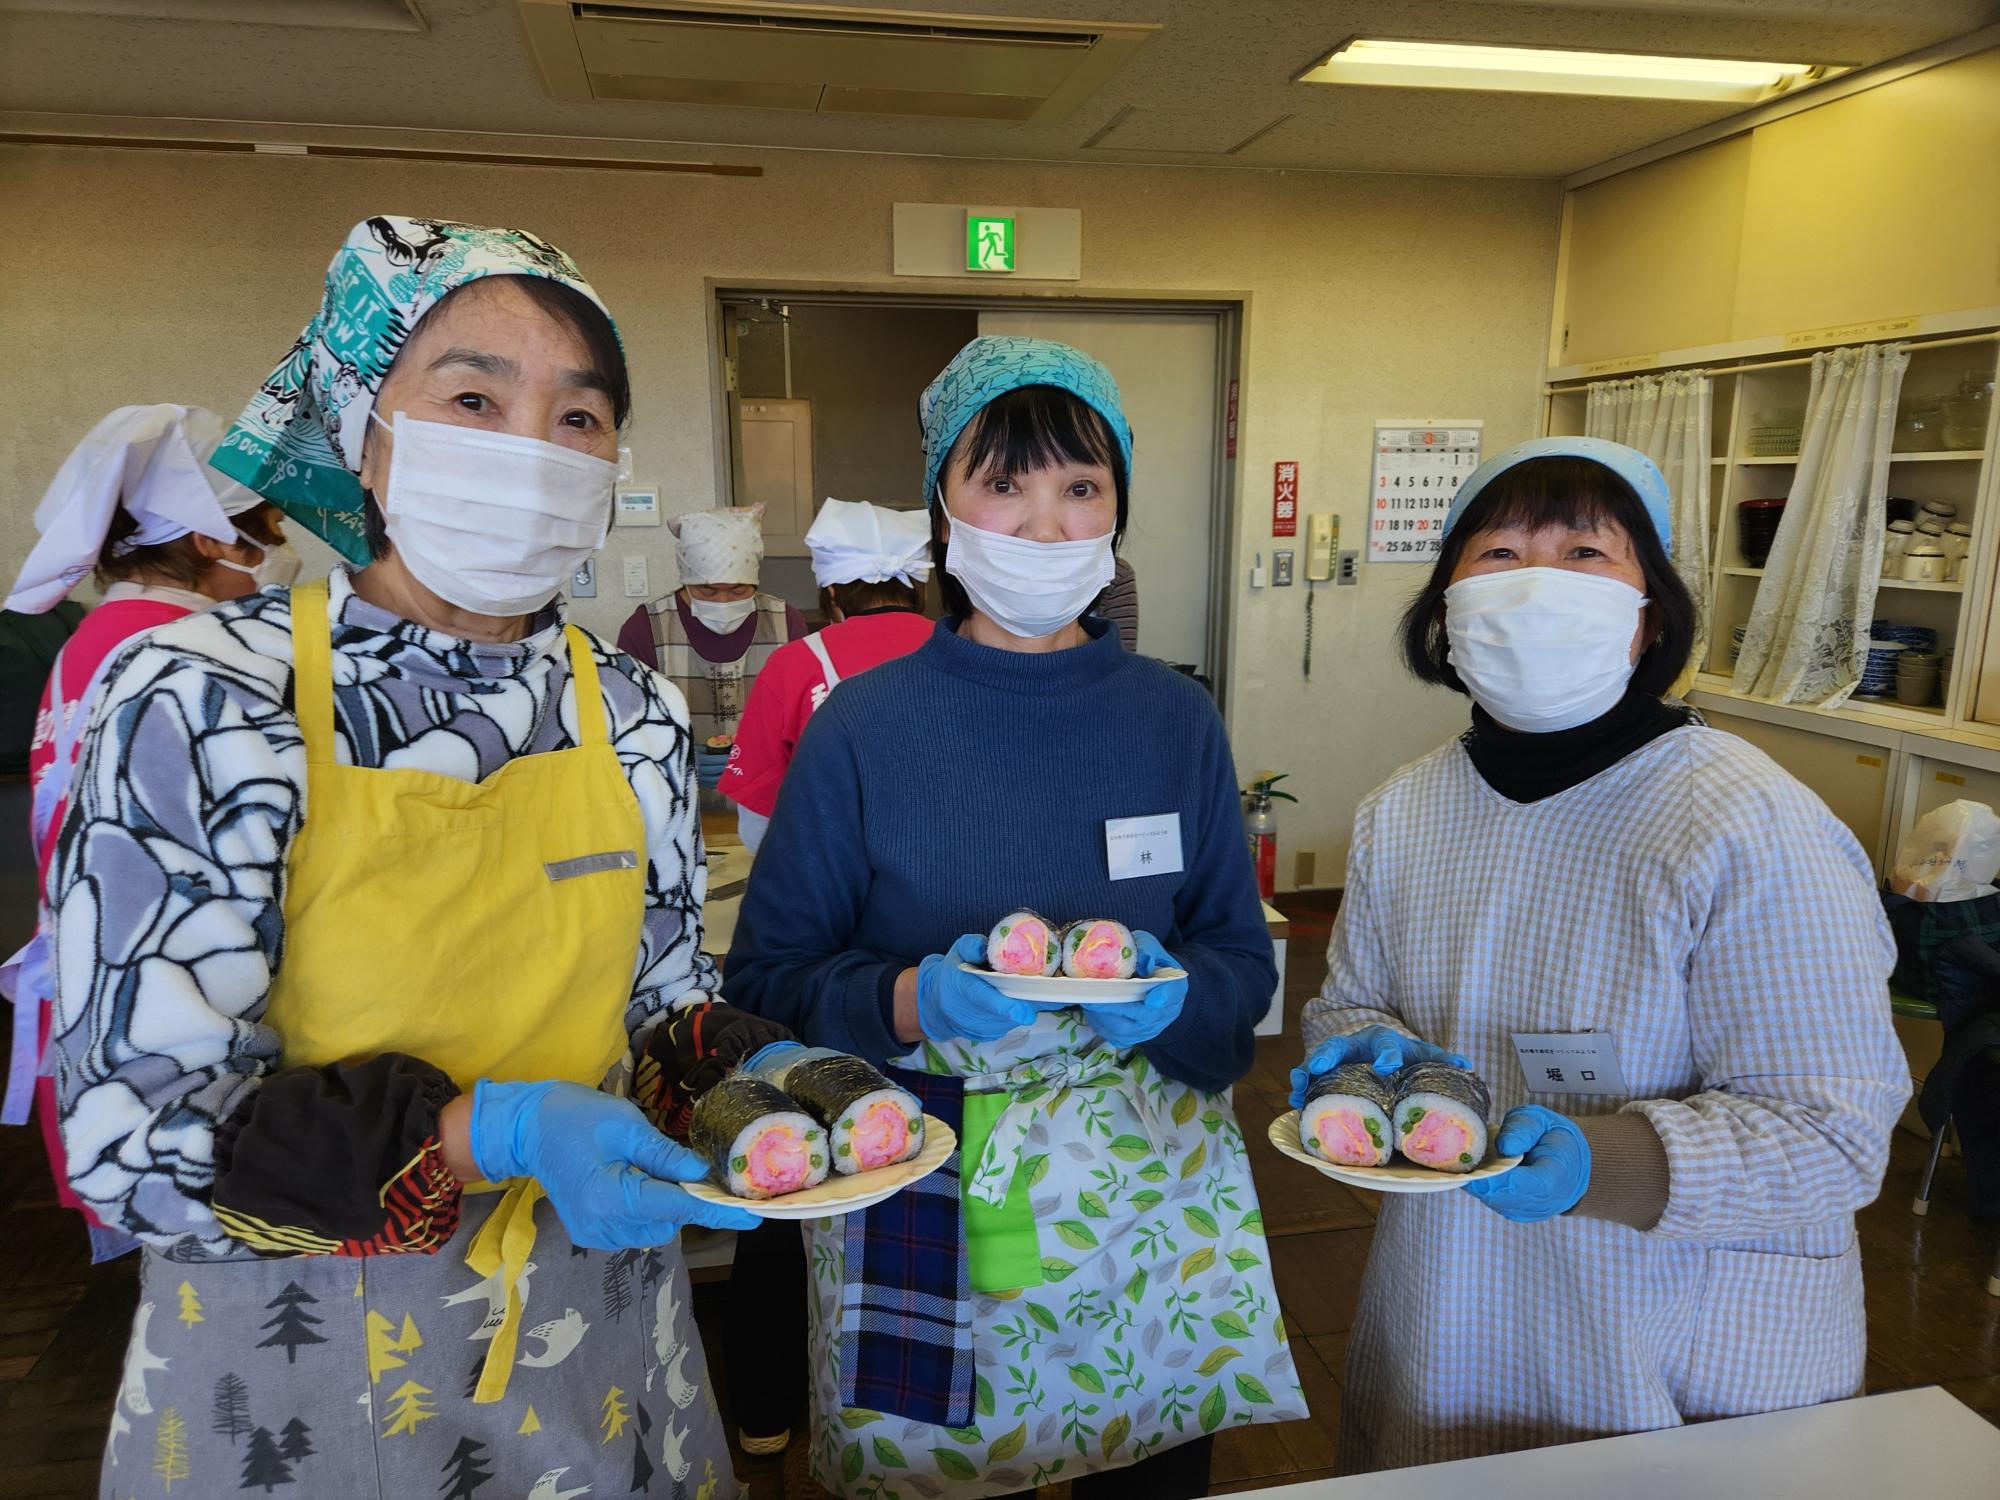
(792, 685)
(100, 634)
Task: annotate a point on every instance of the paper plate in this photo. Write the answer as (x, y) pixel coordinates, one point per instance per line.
(1400, 1178)
(844, 1195)
(1064, 990)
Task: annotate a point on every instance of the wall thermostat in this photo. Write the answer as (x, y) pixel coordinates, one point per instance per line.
(638, 507)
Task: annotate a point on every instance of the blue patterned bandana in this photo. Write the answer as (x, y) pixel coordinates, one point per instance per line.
(298, 443)
(994, 365)
(1629, 464)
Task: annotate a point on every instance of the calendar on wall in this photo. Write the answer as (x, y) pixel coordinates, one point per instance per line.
(1417, 471)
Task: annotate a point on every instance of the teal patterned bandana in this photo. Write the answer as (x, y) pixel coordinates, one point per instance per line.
(993, 365)
(298, 443)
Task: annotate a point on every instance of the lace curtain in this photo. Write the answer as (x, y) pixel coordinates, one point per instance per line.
(1666, 417)
(1808, 631)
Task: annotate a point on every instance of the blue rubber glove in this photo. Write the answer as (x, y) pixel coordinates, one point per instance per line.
(770, 1052)
(1554, 1170)
(609, 1174)
(953, 1003)
(1384, 1046)
(1130, 1022)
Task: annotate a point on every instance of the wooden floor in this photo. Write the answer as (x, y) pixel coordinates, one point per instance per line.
(63, 1325)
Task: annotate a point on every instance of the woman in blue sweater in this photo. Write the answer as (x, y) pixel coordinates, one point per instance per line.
(1084, 1290)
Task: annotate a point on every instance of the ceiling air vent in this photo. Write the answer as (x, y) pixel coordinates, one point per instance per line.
(824, 59)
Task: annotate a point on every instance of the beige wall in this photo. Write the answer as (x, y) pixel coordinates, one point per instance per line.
(1882, 205)
(145, 276)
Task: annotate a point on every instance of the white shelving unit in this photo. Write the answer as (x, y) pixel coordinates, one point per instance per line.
(1743, 394)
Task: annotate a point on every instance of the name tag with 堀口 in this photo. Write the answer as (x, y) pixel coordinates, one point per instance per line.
(1134, 847)
(1581, 1062)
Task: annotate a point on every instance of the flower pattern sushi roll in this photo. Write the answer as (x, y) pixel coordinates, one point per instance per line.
(759, 1143)
(869, 1121)
(1346, 1117)
(1099, 948)
(1023, 943)
(1441, 1116)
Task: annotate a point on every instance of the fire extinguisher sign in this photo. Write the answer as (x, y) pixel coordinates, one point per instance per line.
(1285, 498)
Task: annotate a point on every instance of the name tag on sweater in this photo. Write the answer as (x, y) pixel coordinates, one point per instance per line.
(1583, 1062)
(1143, 846)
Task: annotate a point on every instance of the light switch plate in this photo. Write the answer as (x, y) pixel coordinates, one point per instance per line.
(1349, 569)
(636, 586)
(583, 582)
(1281, 570)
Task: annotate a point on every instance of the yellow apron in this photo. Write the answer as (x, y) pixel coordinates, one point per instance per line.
(490, 928)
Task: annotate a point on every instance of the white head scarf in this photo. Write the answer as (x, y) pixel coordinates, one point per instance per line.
(852, 541)
(720, 546)
(151, 461)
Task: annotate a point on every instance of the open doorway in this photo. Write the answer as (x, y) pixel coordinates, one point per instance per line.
(820, 392)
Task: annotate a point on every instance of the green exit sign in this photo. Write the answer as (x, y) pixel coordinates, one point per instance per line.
(989, 244)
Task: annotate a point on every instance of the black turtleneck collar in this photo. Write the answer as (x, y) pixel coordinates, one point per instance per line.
(1530, 767)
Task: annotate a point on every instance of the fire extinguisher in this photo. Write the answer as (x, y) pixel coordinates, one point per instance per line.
(1260, 822)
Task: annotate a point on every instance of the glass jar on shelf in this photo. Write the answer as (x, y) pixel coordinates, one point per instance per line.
(1920, 425)
(1965, 414)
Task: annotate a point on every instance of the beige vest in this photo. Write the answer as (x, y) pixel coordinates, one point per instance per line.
(715, 691)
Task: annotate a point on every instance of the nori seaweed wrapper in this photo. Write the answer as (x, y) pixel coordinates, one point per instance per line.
(1459, 1084)
(728, 1109)
(825, 1086)
(1358, 1079)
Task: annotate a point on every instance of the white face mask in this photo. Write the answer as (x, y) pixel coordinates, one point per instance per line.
(1029, 589)
(721, 615)
(279, 565)
(490, 522)
(1543, 649)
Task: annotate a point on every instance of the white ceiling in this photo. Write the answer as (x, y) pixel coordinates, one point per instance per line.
(1216, 77)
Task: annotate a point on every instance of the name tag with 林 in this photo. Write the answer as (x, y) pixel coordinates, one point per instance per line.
(1135, 847)
(1579, 1062)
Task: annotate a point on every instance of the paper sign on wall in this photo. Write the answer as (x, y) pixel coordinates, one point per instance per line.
(1417, 471)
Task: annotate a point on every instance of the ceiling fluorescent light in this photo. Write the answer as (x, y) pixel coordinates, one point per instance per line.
(1537, 70)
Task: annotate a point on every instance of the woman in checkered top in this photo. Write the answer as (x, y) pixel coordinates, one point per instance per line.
(1678, 1243)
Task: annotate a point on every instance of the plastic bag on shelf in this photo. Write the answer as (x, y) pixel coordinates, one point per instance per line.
(1951, 855)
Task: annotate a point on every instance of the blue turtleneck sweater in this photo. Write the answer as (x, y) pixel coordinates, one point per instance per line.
(938, 792)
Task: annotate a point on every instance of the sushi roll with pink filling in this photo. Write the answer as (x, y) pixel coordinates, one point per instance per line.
(1346, 1117)
(759, 1143)
(869, 1121)
(1023, 943)
(1441, 1116)
(1099, 948)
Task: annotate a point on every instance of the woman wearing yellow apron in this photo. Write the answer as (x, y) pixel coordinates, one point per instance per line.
(374, 897)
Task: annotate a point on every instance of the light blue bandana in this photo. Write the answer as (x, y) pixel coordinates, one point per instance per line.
(1629, 464)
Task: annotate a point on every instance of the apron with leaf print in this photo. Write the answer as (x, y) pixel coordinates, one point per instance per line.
(1156, 1321)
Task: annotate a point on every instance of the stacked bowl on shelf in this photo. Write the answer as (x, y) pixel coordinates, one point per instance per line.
(1757, 528)
(1888, 641)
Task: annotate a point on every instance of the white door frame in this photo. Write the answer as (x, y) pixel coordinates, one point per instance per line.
(1230, 310)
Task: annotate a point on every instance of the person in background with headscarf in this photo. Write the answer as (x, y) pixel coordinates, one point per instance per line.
(870, 563)
(1118, 605)
(136, 506)
(1083, 1291)
(374, 897)
(714, 634)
